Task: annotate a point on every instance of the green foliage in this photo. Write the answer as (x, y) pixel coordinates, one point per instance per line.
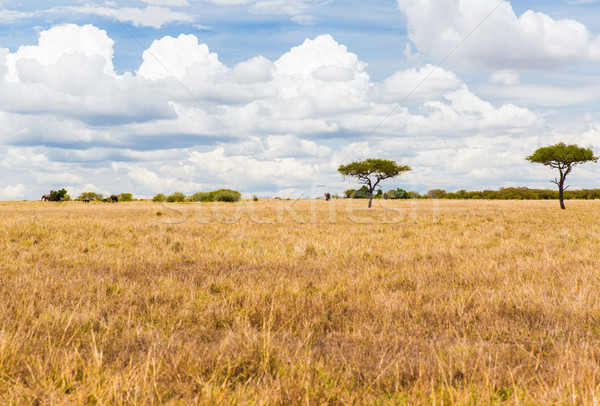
(373, 168)
(91, 196)
(126, 197)
(362, 193)
(255, 198)
(562, 155)
(59, 195)
(227, 196)
(202, 197)
(221, 195)
(414, 194)
(372, 171)
(159, 198)
(348, 193)
(398, 194)
(564, 158)
(523, 193)
(436, 194)
(221, 191)
(176, 197)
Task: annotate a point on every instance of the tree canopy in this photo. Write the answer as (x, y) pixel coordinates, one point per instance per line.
(371, 172)
(564, 158)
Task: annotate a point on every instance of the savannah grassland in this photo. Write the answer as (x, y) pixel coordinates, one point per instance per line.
(445, 302)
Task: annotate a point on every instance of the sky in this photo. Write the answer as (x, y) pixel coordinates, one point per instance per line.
(270, 97)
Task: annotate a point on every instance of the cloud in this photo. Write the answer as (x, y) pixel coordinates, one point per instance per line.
(64, 40)
(150, 16)
(70, 73)
(10, 16)
(416, 85)
(297, 9)
(172, 57)
(502, 39)
(168, 3)
(504, 78)
(13, 192)
(186, 121)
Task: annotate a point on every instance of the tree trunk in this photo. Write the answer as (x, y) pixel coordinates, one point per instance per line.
(370, 199)
(561, 190)
(561, 195)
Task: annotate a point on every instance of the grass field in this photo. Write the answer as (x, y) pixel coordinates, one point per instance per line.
(308, 302)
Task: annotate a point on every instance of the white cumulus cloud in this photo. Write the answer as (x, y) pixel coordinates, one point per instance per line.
(500, 39)
(13, 192)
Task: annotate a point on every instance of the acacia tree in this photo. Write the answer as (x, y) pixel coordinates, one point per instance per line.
(564, 158)
(372, 171)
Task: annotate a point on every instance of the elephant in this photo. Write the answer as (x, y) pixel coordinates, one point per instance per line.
(86, 200)
(385, 196)
(46, 197)
(327, 196)
(114, 198)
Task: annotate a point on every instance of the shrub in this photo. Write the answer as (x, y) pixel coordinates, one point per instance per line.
(59, 195)
(90, 196)
(255, 198)
(227, 196)
(349, 193)
(221, 195)
(126, 197)
(176, 197)
(398, 194)
(436, 194)
(159, 198)
(362, 193)
(202, 197)
(234, 192)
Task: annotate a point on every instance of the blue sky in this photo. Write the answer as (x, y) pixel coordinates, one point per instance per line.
(269, 96)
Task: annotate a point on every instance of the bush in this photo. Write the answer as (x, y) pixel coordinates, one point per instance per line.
(90, 196)
(436, 194)
(126, 197)
(349, 193)
(176, 197)
(59, 195)
(398, 194)
(227, 196)
(216, 193)
(159, 198)
(255, 198)
(202, 197)
(362, 193)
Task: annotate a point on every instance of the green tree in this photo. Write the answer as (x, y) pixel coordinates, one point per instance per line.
(436, 194)
(58, 195)
(159, 198)
(371, 172)
(227, 196)
(126, 197)
(91, 196)
(348, 193)
(398, 194)
(564, 158)
(176, 197)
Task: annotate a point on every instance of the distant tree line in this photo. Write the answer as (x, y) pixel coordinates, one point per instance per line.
(508, 193)
(363, 193)
(221, 195)
(99, 197)
(514, 193)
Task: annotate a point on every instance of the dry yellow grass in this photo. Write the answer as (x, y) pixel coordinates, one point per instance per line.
(462, 303)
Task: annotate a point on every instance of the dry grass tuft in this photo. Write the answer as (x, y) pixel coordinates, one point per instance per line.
(461, 303)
